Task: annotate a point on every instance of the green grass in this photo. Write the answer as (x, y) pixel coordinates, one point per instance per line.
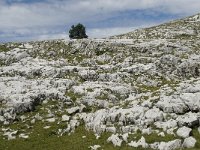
(49, 140)
(73, 96)
(3, 48)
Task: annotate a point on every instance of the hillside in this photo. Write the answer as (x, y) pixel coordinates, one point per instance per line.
(139, 90)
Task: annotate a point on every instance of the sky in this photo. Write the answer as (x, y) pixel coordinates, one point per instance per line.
(27, 20)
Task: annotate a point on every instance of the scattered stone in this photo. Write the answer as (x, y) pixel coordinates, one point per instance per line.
(121, 85)
(51, 120)
(189, 142)
(141, 142)
(65, 118)
(147, 131)
(23, 136)
(171, 145)
(111, 129)
(133, 144)
(184, 132)
(72, 110)
(11, 135)
(188, 119)
(33, 121)
(47, 127)
(95, 147)
(162, 134)
(125, 137)
(114, 138)
(155, 114)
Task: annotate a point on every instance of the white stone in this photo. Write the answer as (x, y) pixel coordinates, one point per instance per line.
(171, 145)
(162, 134)
(114, 138)
(72, 110)
(95, 147)
(189, 142)
(65, 118)
(111, 129)
(154, 114)
(23, 136)
(51, 120)
(141, 142)
(125, 137)
(133, 144)
(189, 119)
(32, 121)
(147, 131)
(47, 127)
(183, 132)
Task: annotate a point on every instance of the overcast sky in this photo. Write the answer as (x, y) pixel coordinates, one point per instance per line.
(22, 20)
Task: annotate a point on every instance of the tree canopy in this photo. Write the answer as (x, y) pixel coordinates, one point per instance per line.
(77, 32)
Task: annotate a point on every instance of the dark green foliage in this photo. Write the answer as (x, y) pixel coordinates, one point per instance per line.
(3, 48)
(77, 32)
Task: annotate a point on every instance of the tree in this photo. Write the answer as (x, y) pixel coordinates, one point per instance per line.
(77, 32)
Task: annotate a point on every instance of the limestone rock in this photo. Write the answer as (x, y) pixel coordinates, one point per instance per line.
(189, 142)
(171, 145)
(72, 110)
(51, 120)
(184, 132)
(65, 118)
(114, 138)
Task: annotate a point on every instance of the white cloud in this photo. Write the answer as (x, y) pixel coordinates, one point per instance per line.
(42, 17)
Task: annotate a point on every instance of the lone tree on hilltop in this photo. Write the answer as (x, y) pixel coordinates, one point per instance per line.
(77, 32)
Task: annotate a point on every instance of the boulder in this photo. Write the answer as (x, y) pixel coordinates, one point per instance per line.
(114, 138)
(51, 120)
(172, 104)
(73, 110)
(188, 119)
(154, 114)
(171, 145)
(111, 129)
(65, 118)
(125, 137)
(141, 142)
(189, 142)
(192, 100)
(184, 132)
(95, 147)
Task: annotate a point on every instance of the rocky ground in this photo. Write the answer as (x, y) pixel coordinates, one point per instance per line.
(139, 90)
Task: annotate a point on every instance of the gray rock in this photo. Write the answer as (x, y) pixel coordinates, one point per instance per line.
(184, 132)
(192, 100)
(147, 131)
(51, 120)
(141, 142)
(125, 137)
(114, 138)
(172, 104)
(155, 114)
(23, 136)
(111, 129)
(65, 118)
(188, 119)
(95, 147)
(73, 110)
(189, 142)
(171, 145)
